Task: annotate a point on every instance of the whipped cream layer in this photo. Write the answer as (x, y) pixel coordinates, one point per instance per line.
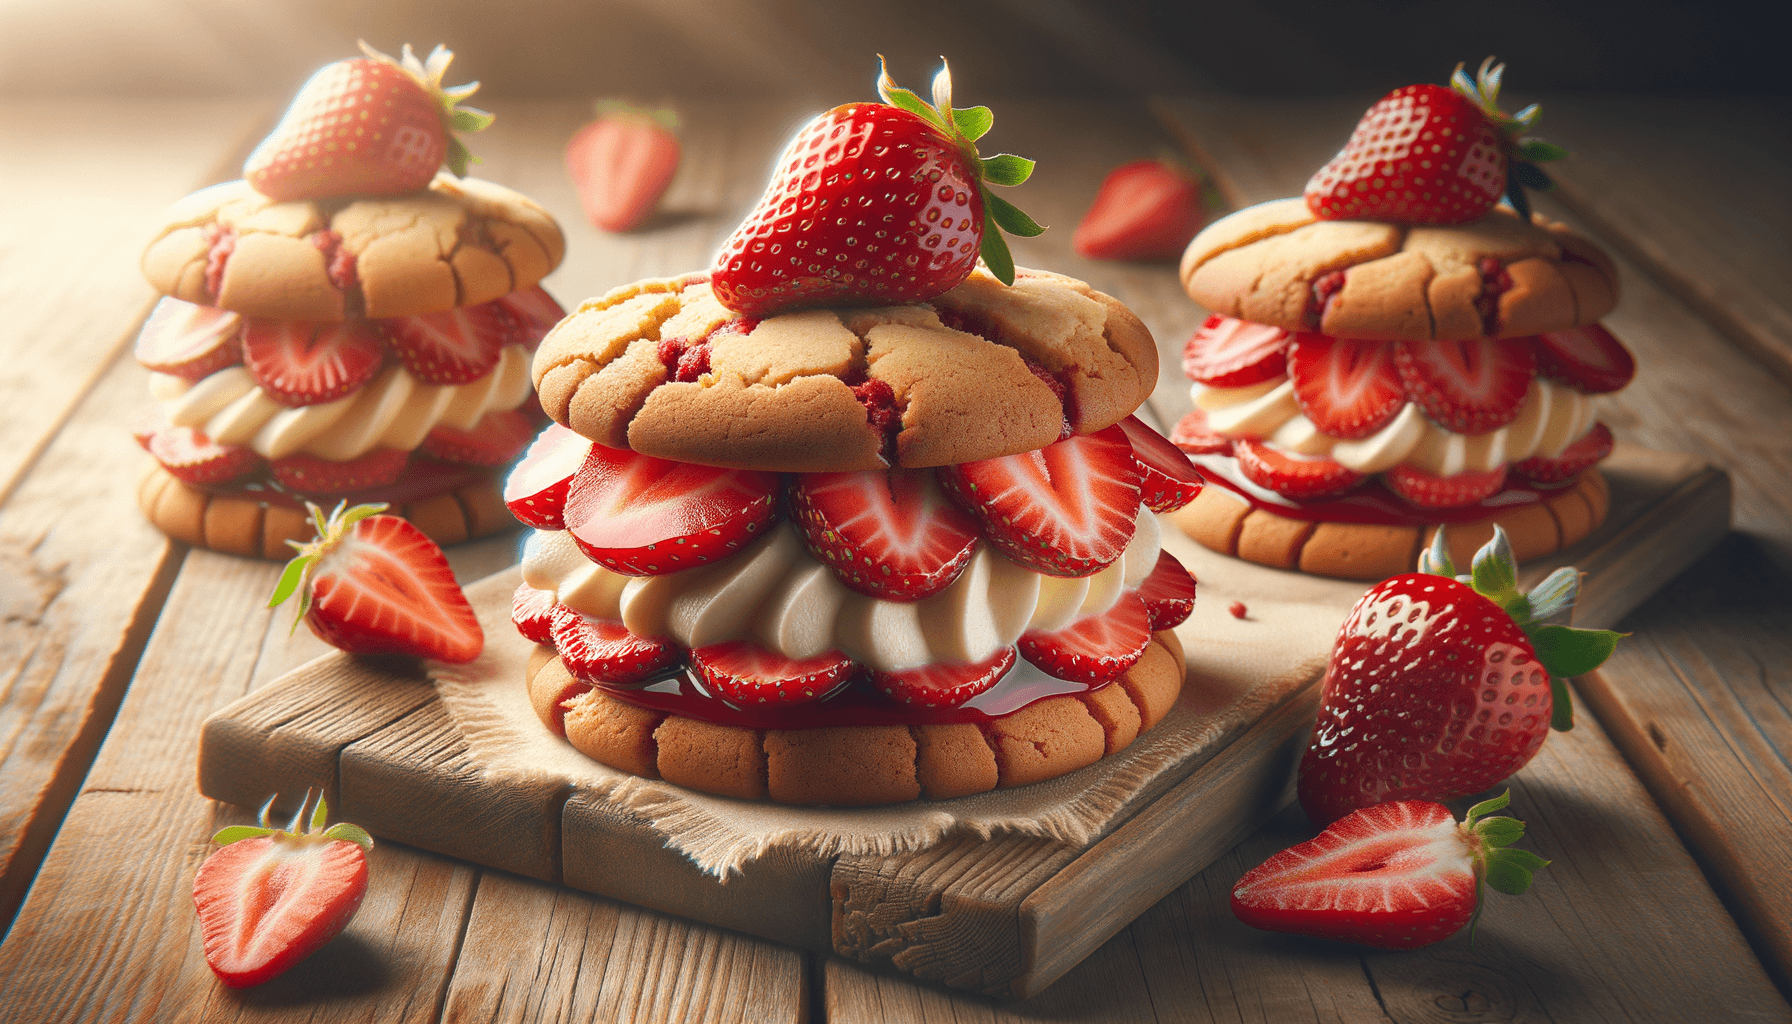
(393, 410)
(778, 596)
(1552, 417)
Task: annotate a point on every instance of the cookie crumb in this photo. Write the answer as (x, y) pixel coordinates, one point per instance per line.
(1238, 610)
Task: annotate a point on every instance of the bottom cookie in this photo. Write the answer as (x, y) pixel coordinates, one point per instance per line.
(867, 764)
(244, 526)
(1222, 521)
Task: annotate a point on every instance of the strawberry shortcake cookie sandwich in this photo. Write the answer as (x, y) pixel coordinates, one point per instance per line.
(1394, 352)
(349, 322)
(853, 531)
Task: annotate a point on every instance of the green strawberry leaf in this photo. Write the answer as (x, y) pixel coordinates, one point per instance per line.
(995, 248)
(289, 579)
(459, 156)
(1008, 169)
(320, 815)
(470, 119)
(1011, 220)
(1561, 715)
(1435, 559)
(1528, 116)
(1555, 594)
(1500, 831)
(1495, 569)
(1515, 195)
(350, 833)
(1567, 652)
(1509, 871)
(1486, 807)
(1537, 150)
(1531, 176)
(237, 833)
(973, 122)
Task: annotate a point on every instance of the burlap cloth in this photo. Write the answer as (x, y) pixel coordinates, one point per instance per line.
(1237, 669)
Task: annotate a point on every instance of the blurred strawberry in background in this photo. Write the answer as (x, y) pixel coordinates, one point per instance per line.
(622, 162)
(1144, 210)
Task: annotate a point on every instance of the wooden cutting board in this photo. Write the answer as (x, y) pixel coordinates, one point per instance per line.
(1004, 916)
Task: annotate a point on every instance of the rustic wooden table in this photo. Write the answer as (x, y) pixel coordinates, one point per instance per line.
(1667, 811)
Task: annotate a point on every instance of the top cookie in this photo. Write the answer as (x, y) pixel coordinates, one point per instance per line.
(460, 242)
(661, 367)
(1400, 282)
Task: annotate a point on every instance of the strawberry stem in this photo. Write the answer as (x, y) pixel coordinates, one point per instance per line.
(1523, 154)
(342, 830)
(428, 74)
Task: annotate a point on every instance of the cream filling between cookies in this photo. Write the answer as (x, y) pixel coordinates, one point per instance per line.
(1552, 417)
(393, 410)
(777, 595)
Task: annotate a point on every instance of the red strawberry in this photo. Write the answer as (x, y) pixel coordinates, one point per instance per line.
(536, 490)
(749, 674)
(374, 584)
(1438, 688)
(309, 474)
(271, 897)
(533, 313)
(1168, 593)
(1225, 352)
(499, 437)
(1292, 476)
(1397, 876)
(875, 204)
(1587, 357)
(189, 455)
(1193, 436)
(1592, 447)
(1167, 480)
(1427, 491)
(1095, 649)
(308, 363)
(622, 162)
(532, 611)
(1144, 210)
(944, 685)
(885, 533)
(646, 517)
(1067, 509)
(604, 651)
(1468, 386)
(455, 346)
(189, 340)
(1348, 388)
(366, 126)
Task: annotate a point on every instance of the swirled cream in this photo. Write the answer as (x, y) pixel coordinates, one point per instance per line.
(778, 596)
(393, 410)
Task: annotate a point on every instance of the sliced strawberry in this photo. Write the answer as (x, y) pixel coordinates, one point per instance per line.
(1426, 491)
(1168, 593)
(536, 489)
(749, 674)
(1225, 352)
(1592, 447)
(944, 685)
(1193, 436)
(189, 455)
(1095, 649)
(1292, 476)
(533, 613)
(644, 516)
(1167, 480)
(1348, 388)
(451, 347)
(886, 533)
(604, 651)
(1470, 386)
(1588, 358)
(1067, 509)
(533, 314)
(303, 363)
(498, 437)
(309, 474)
(189, 340)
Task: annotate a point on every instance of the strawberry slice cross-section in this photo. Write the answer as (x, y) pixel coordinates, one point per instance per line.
(1427, 490)
(301, 363)
(1094, 649)
(1470, 385)
(1167, 479)
(532, 611)
(455, 346)
(533, 313)
(1348, 388)
(1587, 357)
(944, 684)
(195, 458)
(1168, 593)
(889, 534)
(536, 489)
(1226, 352)
(604, 651)
(498, 437)
(1292, 476)
(644, 516)
(189, 340)
(746, 673)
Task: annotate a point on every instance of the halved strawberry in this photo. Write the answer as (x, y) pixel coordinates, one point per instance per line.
(189, 340)
(604, 651)
(643, 516)
(1167, 480)
(1593, 446)
(886, 533)
(944, 685)
(1348, 388)
(305, 363)
(1095, 649)
(454, 346)
(1587, 357)
(1292, 476)
(536, 489)
(749, 674)
(498, 437)
(195, 458)
(1471, 385)
(1067, 509)
(533, 314)
(1225, 352)
(1427, 491)
(1168, 593)
(309, 474)
(1193, 436)
(533, 613)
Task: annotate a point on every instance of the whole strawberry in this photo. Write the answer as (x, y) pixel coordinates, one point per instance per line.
(876, 204)
(622, 162)
(367, 126)
(1440, 686)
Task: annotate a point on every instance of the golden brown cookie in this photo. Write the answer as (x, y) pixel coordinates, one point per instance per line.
(662, 368)
(1400, 282)
(460, 241)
